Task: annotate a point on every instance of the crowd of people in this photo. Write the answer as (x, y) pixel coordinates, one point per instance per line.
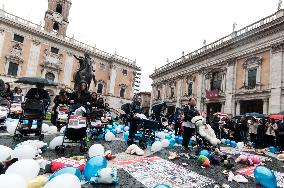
(259, 132)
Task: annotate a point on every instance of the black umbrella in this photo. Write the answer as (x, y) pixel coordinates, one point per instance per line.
(157, 106)
(35, 80)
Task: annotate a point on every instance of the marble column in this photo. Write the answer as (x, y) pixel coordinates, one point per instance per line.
(112, 79)
(199, 90)
(230, 77)
(179, 92)
(238, 108)
(265, 106)
(276, 71)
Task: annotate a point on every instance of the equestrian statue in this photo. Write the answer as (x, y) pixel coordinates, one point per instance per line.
(85, 71)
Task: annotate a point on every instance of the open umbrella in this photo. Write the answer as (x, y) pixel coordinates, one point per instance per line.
(35, 80)
(157, 106)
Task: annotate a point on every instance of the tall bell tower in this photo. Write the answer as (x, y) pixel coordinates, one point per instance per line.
(56, 17)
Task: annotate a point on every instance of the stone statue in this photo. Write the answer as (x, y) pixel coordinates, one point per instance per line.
(85, 71)
(279, 5)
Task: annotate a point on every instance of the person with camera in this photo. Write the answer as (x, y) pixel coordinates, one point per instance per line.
(190, 111)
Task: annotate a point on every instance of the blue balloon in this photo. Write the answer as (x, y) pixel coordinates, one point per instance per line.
(172, 142)
(161, 186)
(93, 165)
(227, 142)
(67, 170)
(265, 177)
(190, 142)
(205, 152)
(168, 137)
(233, 144)
(180, 139)
(273, 149)
(126, 135)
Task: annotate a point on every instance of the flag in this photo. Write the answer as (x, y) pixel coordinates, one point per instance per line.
(212, 94)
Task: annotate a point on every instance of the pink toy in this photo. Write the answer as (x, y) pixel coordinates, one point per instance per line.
(250, 160)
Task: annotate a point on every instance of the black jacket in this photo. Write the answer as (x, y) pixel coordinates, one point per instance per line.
(8, 95)
(135, 108)
(83, 98)
(189, 113)
(43, 94)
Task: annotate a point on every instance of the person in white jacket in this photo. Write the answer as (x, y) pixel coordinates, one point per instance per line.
(271, 127)
(253, 130)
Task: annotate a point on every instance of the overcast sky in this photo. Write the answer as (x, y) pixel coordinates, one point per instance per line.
(150, 31)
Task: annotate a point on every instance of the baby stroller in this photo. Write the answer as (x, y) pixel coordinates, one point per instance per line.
(4, 111)
(32, 115)
(62, 115)
(97, 123)
(146, 132)
(75, 132)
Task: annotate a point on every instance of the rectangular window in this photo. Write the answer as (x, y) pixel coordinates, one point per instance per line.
(100, 88)
(13, 69)
(252, 78)
(124, 72)
(54, 50)
(102, 66)
(172, 92)
(122, 92)
(18, 38)
(159, 94)
(189, 89)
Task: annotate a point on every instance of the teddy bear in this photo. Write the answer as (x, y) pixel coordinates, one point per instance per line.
(134, 149)
(205, 130)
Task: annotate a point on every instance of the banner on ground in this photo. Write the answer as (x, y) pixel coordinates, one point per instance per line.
(151, 171)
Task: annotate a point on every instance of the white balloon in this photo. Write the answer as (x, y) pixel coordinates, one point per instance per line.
(5, 152)
(240, 145)
(24, 152)
(52, 130)
(126, 128)
(161, 135)
(165, 143)
(45, 128)
(26, 168)
(64, 181)
(223, 140)
(156, 146)
(109, 136)
(62, 129)
(96, 150)
(11, 125)
(12, 181)
(57, 141)
(118, 130)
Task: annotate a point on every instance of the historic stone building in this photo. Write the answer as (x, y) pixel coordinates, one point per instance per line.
(242, 72)
(29, 49)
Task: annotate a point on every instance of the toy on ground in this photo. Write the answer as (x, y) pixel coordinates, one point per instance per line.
(134, 149)
(203, 161)
(205, 130)
(38, 182)
(106, 176)
(250, 160)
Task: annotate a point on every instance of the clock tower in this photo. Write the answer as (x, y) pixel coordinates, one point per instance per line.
(56, 17)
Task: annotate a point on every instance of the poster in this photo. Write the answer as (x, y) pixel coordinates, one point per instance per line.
(249, 171)
(154, 170)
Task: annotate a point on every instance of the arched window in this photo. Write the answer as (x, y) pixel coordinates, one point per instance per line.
(189, 88)
(122, 92)
(100, 88)
(59, 8)
(49, 76)
(216, 81)
(56, 26)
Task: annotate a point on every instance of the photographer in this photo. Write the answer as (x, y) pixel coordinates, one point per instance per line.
(189, 127)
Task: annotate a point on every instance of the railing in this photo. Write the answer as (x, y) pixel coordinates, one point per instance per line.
(39, 27)
(221, 42)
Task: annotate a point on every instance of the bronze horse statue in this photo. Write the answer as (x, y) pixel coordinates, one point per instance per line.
(85, 72)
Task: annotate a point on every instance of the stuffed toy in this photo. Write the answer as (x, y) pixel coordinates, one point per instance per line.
(38, 182)
(250, 160)
(109, 155)
(205, 130)
(106, 176)
(134, 149)
(5, 164)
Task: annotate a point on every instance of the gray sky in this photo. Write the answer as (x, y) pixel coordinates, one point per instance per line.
(150, 30)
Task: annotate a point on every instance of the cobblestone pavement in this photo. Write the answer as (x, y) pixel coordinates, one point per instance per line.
(118, 147)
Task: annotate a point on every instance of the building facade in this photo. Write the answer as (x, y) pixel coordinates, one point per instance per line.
(242, 72)
(29, 49)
